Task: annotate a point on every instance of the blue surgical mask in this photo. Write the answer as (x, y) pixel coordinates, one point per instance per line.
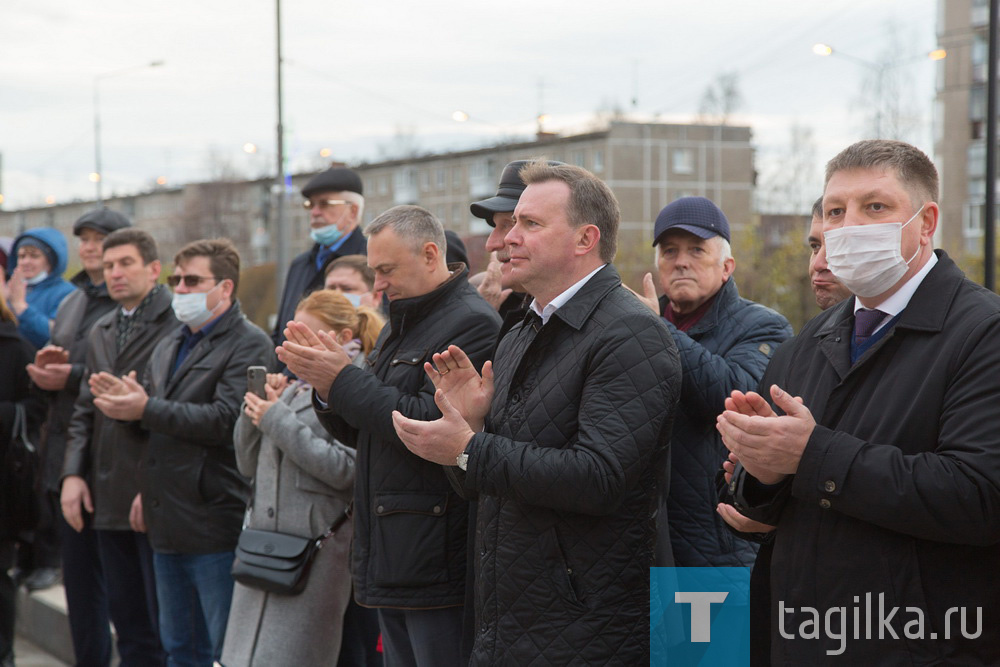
(355, 299)
(327, 235)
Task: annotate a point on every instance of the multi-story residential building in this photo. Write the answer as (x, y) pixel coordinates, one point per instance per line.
(647, 165)
(960, 123)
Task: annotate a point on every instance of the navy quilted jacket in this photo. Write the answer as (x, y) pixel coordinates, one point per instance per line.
(567, 474)
(727, 349)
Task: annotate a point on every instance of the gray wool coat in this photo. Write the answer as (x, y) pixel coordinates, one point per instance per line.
(304, 480)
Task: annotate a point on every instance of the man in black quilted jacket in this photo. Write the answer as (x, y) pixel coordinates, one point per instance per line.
(725, 343)
(564, 441)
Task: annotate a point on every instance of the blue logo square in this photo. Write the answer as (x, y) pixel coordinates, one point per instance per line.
(699, 616)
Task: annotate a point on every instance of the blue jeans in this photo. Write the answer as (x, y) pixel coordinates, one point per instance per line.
(194, 592)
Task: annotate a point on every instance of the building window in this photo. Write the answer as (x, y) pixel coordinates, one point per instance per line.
(439, 177)
(580, 159)
(383, 185)
(456, 177)
(683, 160)
(598, 161)
(976, 163)
(972, 221)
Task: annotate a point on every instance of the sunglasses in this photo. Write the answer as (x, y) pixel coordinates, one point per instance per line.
(189, 281)
(322, 203)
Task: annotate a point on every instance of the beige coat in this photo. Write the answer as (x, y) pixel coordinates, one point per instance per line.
(303, 481)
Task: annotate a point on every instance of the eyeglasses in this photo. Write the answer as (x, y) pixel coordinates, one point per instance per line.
(322, 203)
(189, 281)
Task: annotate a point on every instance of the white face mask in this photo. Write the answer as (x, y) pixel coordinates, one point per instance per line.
(192, 309)
(868, 259)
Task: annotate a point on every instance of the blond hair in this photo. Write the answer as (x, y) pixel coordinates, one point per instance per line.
(334, 310)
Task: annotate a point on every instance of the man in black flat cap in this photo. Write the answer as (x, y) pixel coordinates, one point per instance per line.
(335, 201)
(58, 369)
(498, 288)
(725, 343)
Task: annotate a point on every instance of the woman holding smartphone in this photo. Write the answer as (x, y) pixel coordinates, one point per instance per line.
(303, 481)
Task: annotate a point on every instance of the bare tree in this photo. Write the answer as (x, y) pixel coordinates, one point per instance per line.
(789, 182)
(721, 99)
(887, 98)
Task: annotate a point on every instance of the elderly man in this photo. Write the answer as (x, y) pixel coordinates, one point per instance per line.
(410, 526)
(725, 343)
(335, 201)
(567, 455)
(884, 481)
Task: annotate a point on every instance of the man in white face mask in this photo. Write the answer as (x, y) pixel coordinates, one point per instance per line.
(882, 474)
(193, 497)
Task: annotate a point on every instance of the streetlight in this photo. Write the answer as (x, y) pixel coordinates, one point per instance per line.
(96, 175)
(880, 70)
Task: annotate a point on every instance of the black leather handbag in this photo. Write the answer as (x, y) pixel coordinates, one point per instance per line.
(19, 501)
(277, 562)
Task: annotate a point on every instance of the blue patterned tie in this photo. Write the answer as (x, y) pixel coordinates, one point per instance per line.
(866, 321)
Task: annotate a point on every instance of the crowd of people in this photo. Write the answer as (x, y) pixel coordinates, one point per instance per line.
(490, 464)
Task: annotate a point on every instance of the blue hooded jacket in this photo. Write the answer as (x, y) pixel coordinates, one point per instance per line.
(44, 298)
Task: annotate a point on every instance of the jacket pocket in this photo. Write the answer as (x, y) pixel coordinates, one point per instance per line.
(558, 571)
(410, 540)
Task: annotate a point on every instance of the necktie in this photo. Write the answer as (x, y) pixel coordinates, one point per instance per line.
(865, 322)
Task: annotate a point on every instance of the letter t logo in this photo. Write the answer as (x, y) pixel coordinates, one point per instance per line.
(701, 611)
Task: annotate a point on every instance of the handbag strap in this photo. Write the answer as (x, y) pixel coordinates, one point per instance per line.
(21, 427)
(336, 524)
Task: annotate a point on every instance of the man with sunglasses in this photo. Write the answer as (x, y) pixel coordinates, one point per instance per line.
(335, 202)
(193, 497)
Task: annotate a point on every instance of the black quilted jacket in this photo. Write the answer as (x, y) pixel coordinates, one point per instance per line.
(567, 475)
(410, 527)
(727, 349)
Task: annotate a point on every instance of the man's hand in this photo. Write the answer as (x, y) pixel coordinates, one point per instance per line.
(124, 407)
(648, 296)
(135, 517)
(74, 495)
(256, 407)
(769, 447)
(739, 522)
(470, 394)
(106, 384)
(316, 358)
(51, 354)
(438, 441)
(491, 288)
(50, 376)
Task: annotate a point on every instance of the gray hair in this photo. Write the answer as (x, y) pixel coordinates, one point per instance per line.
(357, 200)
(414, 224)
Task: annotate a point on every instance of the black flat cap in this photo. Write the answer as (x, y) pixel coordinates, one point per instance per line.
(511, 187)
(102, 220)
(334, 179)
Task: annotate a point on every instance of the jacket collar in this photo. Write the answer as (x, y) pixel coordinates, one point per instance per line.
(724, 298)
(577, 310)
(160, 302)
(933, 297)
(354, 244)
(412, 310)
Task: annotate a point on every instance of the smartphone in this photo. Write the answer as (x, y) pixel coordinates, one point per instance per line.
(256, 379)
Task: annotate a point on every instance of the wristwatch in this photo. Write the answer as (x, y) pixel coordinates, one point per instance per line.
(462, 461)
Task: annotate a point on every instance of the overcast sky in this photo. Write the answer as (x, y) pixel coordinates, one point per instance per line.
(358, 73)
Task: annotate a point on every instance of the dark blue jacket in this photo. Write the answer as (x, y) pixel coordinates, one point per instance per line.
(728, 349)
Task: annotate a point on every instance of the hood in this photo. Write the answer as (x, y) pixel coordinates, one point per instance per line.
(49, 236)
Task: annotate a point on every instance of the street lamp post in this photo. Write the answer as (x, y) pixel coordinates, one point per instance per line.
(98, 175)
(880, 70)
